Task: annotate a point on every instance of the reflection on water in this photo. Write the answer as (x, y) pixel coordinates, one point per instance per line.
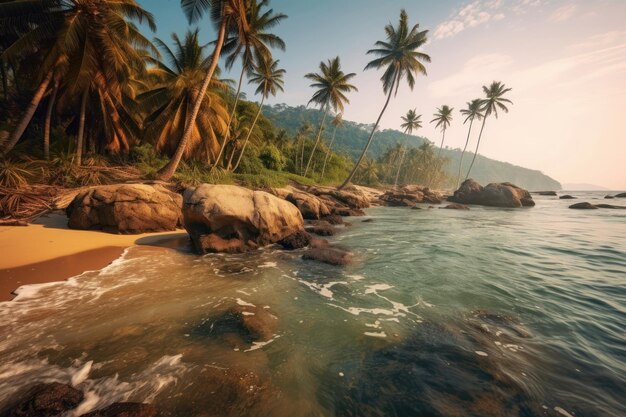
(482, 313)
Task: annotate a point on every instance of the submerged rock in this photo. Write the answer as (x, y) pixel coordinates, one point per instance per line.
(46, 400)
(455, 206)
(495, 194)
(546, 193)
(567, 197)
(124, 410)
(620, 195)
(246, 321)
(330, 255)
(297, 240)
(228, 218)
(609, 197)
(583, 206)
(126, 209)
(321, 228)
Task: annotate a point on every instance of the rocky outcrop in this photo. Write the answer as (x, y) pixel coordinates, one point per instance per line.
(609, 197)
(455, 206)
(227, 218)
(331, 255)
(620, 195)
(125, 209)
(321, 228)
(496, 195)
(410, 195)
(124, 410)
(46, 400)
(297, 240)
(589, 206)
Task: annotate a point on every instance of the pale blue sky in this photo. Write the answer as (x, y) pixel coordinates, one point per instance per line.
(564, 59)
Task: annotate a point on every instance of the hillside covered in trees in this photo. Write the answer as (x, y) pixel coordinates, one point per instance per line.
(351, 137)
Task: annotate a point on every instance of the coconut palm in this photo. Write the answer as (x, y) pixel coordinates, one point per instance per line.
(255, 40)
(301, 135)
(400, 57)
(411, 122)
(169, 101)
(471, 113)
(91, 45)
(332, 84)
(443, 117)
(270, 81)
(337, 121)
(230, 17)
(494, 100)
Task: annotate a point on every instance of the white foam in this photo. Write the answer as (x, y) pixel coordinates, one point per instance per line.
(562, 411)
(481, 353)
(374, 334)
(244, 303)
(82, 374)
(371, 289)
(356, 277)
(268, 265)
(259, 345)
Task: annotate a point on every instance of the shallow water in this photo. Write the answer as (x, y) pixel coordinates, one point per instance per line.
(488, 312)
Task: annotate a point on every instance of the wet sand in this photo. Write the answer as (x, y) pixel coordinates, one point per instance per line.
(48, 251)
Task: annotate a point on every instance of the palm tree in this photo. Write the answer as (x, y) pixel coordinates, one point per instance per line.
(400, 57)
(411, 122)
(443, 117)
(255, 40)
(472, 112)
(303, 131)
(168, 101)
(337, 121)
(230, 16)
(270, 80)
(491, 104)
(91, 45)
(331, 84)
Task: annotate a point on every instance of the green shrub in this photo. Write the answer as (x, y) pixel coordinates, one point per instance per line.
(272, 158)
(250, 164)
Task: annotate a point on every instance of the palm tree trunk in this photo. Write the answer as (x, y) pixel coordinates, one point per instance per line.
(245, 142)
(230, 158)
(317, 141)
(458, 178)
(443, 138)
(395, 184)
(81, 128)
(302, 154)
(369, 140)
(5, 81)
(477, 145)
(168, 170)
(28, 115)
(328, 152)
(46, 127)
(230, 118)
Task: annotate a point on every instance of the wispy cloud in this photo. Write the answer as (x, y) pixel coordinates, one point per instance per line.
(564, 13)
(478, 13)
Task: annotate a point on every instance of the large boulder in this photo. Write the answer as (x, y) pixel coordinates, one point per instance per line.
(311, 207)
(620, 195)
(227, 218)
(46, 400)
(495, 194)
(126, 209)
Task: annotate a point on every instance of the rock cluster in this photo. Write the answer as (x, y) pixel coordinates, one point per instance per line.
(125, 209)
(495, 194)
(589, 206)
(410, 195)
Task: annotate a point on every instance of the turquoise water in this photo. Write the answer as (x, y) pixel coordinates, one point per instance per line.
(487, 312)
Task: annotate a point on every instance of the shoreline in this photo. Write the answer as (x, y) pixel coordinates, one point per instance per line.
(48, 251)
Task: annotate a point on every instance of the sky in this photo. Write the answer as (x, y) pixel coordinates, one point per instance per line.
(565, 61)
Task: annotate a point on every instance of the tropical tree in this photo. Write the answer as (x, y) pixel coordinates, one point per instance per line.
(443, 118)
(410, 123)
(337, 121)
(254, 40)
(400, 57)
(494, 100)
(303, 131)
(269, 79)
(332, 84)
(92, 46)
(169, 101)
(230, 17)
(471, 113)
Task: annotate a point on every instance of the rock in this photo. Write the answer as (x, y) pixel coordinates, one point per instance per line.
(609, 197)
(126, 209)
(228, 218)
(249, 322)
(124, 410)
(297, 240)
(347, 212)
(567, 197)
(47, 400)
(495, 194)
(351, 196)
(583, 206)
(548, 193)
(367, 221)
(310, 206)
(408, 196)
(620, 195)
(330, 255)
(455, 206)
(416, 207)
(317, 242)
(334, 219)
(321, 228)
(609, 206)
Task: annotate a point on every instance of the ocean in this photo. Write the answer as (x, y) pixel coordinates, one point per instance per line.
(486, 312)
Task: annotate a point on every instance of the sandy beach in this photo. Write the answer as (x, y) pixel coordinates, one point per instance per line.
(48, 251)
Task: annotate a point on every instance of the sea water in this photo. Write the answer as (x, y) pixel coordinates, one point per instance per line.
(486, 312)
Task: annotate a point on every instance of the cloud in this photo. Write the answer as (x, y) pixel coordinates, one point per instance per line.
(564, 13)
(480, 12)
